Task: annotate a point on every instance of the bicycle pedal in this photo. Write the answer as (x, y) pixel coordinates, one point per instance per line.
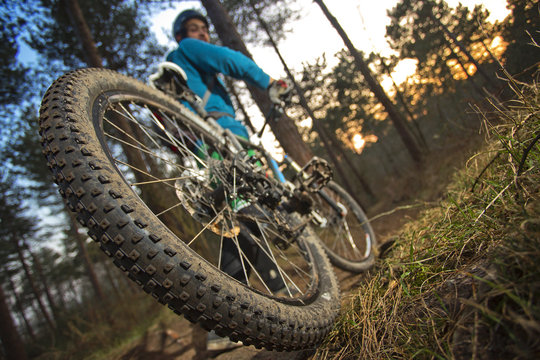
(315, 174)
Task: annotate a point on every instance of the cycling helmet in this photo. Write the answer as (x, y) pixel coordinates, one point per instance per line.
(179, 22)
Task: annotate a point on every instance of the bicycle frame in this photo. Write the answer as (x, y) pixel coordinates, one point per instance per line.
(237, 144)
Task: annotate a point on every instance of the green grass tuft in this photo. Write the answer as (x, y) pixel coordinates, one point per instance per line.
(463, 280)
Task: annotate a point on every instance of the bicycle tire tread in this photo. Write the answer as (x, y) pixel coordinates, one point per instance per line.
(120, 226)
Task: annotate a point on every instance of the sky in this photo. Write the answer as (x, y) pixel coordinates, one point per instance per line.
(312, 35)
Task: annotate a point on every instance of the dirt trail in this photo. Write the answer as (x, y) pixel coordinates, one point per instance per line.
(181, 340)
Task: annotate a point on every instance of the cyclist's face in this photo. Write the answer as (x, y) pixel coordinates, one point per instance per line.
(197, 29)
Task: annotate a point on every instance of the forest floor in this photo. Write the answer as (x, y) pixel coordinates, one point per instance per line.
(174, 337)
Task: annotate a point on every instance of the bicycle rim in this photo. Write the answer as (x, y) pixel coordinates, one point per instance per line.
(346, 233)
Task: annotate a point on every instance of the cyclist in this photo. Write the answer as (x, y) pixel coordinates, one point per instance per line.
(202, 62)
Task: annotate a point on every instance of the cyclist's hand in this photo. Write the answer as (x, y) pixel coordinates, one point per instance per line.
(280, 91)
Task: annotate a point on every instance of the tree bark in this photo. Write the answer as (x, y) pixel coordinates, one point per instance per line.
(11, 339)
(59, 291)
(284, 129)
(83, 33)
(231, 86)
(398, 121)
(33, 286)
(113, 283)
(18, 304)
(43, 279)
(90, 272)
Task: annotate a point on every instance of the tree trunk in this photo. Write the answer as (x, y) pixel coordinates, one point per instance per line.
(418, 132)
(34, 287)
(18, 304)
(231, 86)
(462, 48)
(11, 340)
(376, 89)
(110, 277)
(59, 291)
(45, 287)
(90, 272)
(75, 296)
(83, 33)
(284, 129)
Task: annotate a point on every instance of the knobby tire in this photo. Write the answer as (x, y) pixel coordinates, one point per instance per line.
(94, 184)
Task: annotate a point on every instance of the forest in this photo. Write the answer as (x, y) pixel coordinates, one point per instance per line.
(396, 148)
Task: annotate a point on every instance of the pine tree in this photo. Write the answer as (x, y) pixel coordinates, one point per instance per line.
(521, 30)
(11, 340)
(12, 72)
(398, 121)
(438, 36)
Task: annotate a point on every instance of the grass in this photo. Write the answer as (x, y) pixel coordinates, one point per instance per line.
(463, 280)
(106, 328)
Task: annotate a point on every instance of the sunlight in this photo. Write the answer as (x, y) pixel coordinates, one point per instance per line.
(402, 71)
(358, 143)
(498, 46)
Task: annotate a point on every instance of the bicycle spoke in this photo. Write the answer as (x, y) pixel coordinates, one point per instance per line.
(158, 135)
(144, 173)
(169, 209)
(171, 140)
(284, 257)
(349, 237)
(142, 148)
(160, 180)
(137, 123)
(280, 270)
(241, 256)
(129, 116)
(204, 228)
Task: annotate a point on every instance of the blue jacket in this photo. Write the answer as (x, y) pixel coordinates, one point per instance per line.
(203, 61)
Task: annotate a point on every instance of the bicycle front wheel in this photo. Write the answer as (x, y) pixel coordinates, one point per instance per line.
(161, 195)
(345, 231)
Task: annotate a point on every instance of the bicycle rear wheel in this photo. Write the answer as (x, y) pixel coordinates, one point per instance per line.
(161, 194)
(346, 234)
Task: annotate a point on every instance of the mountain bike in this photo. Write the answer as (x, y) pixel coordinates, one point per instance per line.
(203, 220)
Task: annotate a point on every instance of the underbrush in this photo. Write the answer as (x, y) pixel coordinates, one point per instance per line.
(104, 327)
(462, 281)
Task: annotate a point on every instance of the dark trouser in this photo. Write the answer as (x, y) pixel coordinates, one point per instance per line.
(264, 265)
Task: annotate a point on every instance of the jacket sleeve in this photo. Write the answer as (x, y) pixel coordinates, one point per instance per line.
(218, 59)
